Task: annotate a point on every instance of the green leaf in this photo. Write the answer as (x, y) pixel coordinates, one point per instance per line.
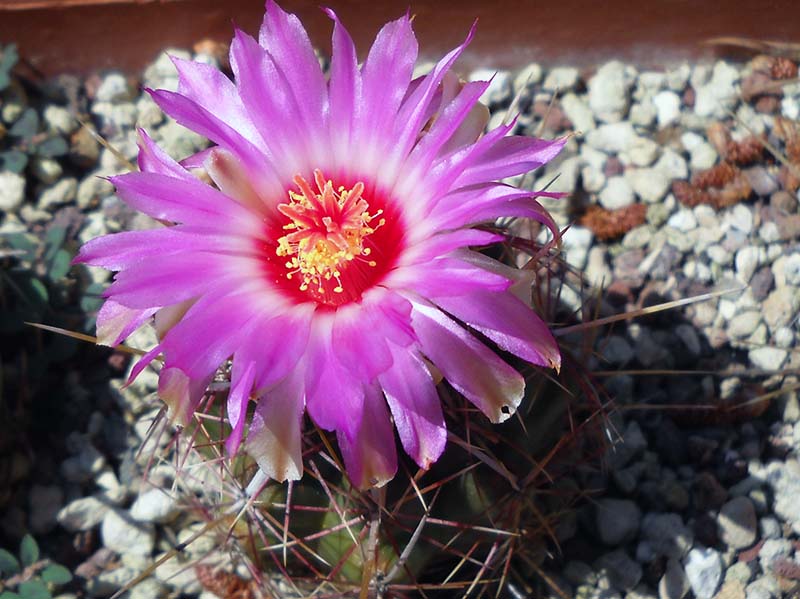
(28, 551)
(60, 265)
(13, 160)
(56, 574)
(34, 589)
(54, 241)
(26, 126)
(92, 297)
(52, 147)
(23, 241)
(9, 595)
(8, 564)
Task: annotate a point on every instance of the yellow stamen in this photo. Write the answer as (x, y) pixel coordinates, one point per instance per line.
(328, 228)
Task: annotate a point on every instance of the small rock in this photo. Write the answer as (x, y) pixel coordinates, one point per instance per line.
(702, 157)
(667, 534)
(59, 120)
(12, 191)
(650, 184)
(561, 79)
(768, 358)
(82, 467)
(499, 89)
(123, 535)
(46, 170)
(746, 261)
(630, 446)
(672, 165)
(114, 88)
(617, 193)
(668, 107)
(744, 324)
(761, 181)
(622, 571)
(683, 220)
(772, 550)
(703, 568)
(154, 505)
(617, 350)
(82, 514)
(617, 521)
(45, 503)
(62, 192)
(740, 218)
(673, 584)
(737, 523)
(720, 94)
(781, 306)
(612, 138)
(608, 92)
(578, 112)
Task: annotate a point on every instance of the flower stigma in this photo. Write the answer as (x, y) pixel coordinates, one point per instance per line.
(328, 229)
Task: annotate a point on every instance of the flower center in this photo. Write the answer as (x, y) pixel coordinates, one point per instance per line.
(327, 235)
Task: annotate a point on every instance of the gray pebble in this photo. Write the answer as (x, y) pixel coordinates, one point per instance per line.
(736, 523)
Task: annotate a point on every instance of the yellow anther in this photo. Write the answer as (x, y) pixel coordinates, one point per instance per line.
(329, 229)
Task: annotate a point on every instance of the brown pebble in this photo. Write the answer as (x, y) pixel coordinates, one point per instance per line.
(768, 105)
(783, 201)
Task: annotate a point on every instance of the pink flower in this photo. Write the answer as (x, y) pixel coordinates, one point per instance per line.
(330, 259)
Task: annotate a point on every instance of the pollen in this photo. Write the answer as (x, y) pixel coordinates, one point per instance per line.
(327, 230)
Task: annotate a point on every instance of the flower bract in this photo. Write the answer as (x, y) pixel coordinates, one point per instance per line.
(332, 256)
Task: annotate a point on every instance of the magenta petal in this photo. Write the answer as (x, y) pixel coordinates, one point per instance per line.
(386, 74)
(115, 322)
(416, 408)
(274, 440)
(412, 115)
(333, 395)
(181, 393)
(507, 321)
(184, 201)
(369, 452)
(242, 376)
(155, 160)
(447, 276)
(473, 369)
(344, 86)
(284, 38)
(447, 123)
(511, 156)
(360, 341)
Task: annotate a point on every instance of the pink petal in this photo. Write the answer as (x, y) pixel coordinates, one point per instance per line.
(242, 376)
(181, 394)
(155, 160)
(274, 440)
(344, 87)
(511, 156)
(446, 276)
(472, 369)
(433, 246)
(185, 201)
(284, 38)
(507, 321)
(416, 408)
(115, 322)
(369, 452)
(334, 395)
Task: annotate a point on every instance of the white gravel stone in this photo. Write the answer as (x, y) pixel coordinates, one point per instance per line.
(46, 170)
(643, 114)
(672, 164)
(704, 570)
(683, 220)
(612, 138)
(740, 217)
(578, 111)
(527, 76)
(608, 92)
(561, 79)
(702, 157)
(650, 184)
(593, 179)
(743, 325)
(720, 94)
(567, 171)
(668, 107)
(678, 76)
(124, 535)
(162, 73)
(768, 358)
(12, 191)
(59, 120)
(114, 88)
(82, 514)
(746, 262)
(617, 193)
(642, 152)
(737, 524)
(154, 505)
(790, 108)
(62, 192)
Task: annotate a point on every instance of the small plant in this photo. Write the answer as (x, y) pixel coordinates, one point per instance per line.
(29, 575)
